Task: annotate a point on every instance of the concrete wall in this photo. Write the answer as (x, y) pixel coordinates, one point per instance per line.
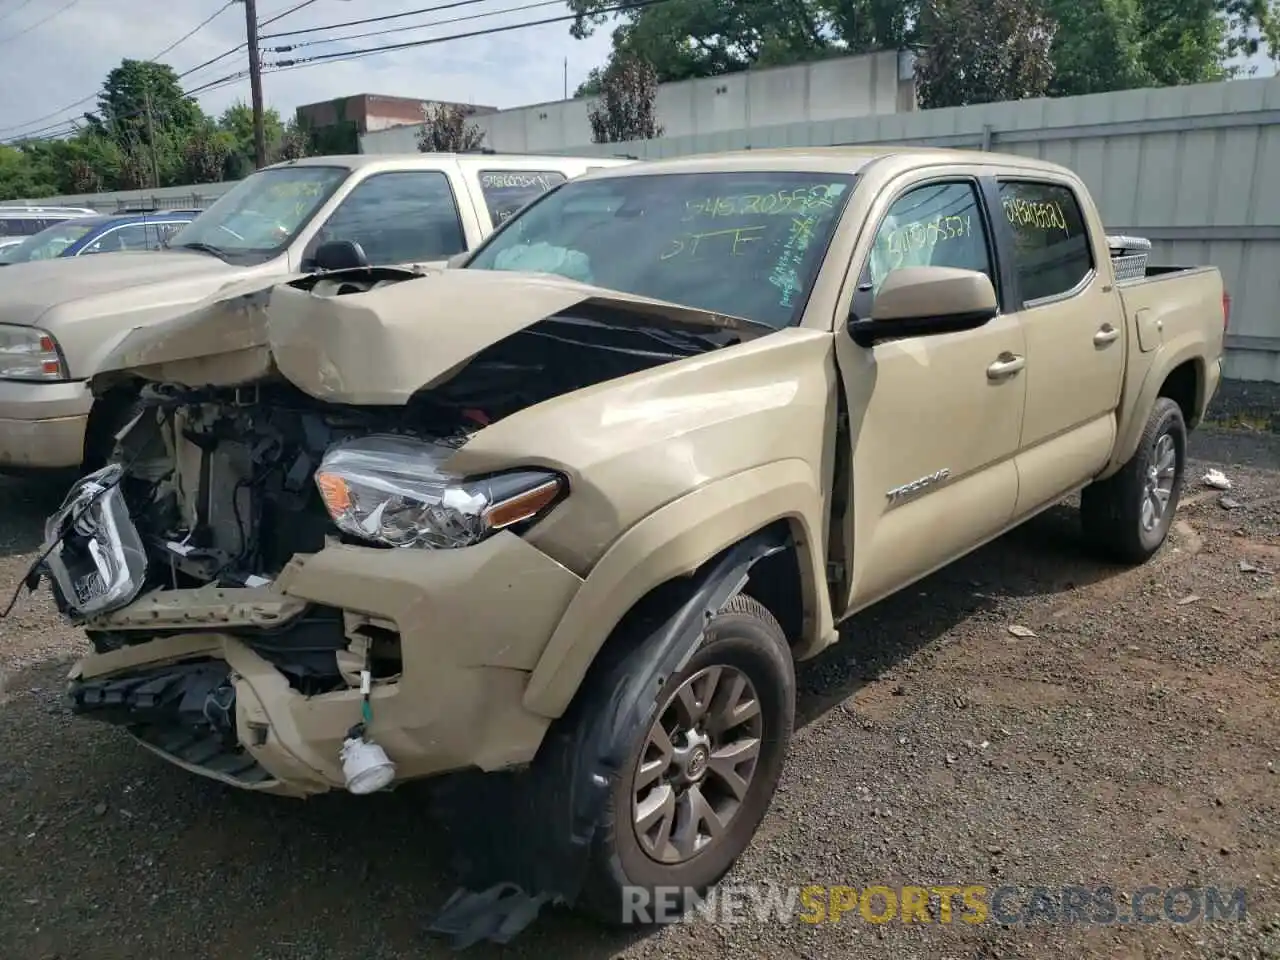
(165, 198)
(845, 87)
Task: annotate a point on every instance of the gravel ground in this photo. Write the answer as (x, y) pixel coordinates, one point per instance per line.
(1133, 740)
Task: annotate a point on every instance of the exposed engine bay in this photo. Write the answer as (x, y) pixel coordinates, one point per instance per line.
(219, 483)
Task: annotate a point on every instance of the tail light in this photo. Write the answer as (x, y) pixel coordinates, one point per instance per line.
(1226, 310)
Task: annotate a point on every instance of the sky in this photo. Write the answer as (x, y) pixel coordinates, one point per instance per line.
(55, 63)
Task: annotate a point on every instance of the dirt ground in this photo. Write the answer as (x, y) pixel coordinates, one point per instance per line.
(1130, 736)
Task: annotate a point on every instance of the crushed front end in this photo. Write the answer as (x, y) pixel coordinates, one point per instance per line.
(278, 558)
(248, 607)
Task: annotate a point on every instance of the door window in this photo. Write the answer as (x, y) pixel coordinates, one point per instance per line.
(1051, 244)
(132, 236)
(159, 233)
(937, 225)
(402, 217)
(506, 191)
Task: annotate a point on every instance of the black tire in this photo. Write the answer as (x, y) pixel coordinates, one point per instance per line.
(1111, 509)
(744, 636)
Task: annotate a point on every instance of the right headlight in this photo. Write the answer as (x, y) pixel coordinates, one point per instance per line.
(391, 490)
(29, 353)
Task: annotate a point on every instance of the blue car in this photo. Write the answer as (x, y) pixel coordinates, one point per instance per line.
(102, 234)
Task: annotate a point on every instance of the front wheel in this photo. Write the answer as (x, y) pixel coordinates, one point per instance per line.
(1128, 515)
(700, 779)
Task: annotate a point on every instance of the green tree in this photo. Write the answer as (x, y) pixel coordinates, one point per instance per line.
(1099, 45)
(982, 51)
(138, 94)
(296, 141)
(705, 38)
(626, 108)
(20, 177)
(205, 154)
(446, 129)
(237, 122)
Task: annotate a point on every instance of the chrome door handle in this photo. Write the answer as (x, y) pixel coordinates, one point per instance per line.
(1106, 334)
(1006, 366)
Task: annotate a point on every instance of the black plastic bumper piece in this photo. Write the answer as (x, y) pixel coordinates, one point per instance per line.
(186, 711)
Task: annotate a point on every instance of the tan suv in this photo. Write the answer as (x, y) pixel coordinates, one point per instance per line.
(60, 317)
(576, 507)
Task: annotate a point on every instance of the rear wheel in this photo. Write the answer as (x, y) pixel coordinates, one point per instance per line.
(700, 778)
(1128, 515)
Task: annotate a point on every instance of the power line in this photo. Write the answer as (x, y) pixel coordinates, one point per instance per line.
(422, 26)
(360, 23)
(185, 37)
(194, 30)
(293, 9)
(6, 16)
(208, 63)
(63, 127)
(387, 48)
(39, 23)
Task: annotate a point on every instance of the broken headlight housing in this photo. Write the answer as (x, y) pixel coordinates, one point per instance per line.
(391, 490)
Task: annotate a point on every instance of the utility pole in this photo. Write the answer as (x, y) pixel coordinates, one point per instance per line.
(151, 133)
(255, 82)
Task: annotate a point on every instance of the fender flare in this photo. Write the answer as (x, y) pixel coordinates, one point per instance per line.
(671, 542)
(1166, 361)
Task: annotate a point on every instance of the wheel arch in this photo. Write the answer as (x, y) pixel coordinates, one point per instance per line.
(104, 415)
(698, 550)
(1179, 375)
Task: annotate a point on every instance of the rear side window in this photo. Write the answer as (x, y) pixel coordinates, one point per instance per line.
(131, 236)
(1051, 244)
(23, 226)
(506, 191)
(402, 217)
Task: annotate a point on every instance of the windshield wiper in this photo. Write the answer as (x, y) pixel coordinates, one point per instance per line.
(203, 248)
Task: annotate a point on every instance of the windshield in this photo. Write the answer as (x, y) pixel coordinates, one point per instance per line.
(747, 244)
(263, 213)
(47, 244)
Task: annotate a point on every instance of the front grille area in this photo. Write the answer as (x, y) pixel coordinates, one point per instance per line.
(184, 710)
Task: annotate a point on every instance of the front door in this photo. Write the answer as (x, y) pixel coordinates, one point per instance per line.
(934, 422)
(398, 218)
(1075, 332)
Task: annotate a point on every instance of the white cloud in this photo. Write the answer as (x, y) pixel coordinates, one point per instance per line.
(67, 58)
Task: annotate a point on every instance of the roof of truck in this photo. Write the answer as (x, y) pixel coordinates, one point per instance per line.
(355, 161)
(838, 159)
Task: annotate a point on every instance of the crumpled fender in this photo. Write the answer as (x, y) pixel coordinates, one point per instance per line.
(526, 842)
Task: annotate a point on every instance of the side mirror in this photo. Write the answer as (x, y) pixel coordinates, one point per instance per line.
(339, 255)
(926, 301)
(457, 260)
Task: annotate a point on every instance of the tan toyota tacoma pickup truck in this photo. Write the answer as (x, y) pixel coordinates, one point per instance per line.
(574, 506)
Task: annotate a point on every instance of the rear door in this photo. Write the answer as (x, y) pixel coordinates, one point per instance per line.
(934, 421)
(1074, 326)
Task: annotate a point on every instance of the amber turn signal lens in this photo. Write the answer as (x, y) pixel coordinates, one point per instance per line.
(335, 493)
(523, 506)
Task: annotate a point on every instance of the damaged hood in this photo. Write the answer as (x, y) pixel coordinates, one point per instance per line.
(379, 346)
